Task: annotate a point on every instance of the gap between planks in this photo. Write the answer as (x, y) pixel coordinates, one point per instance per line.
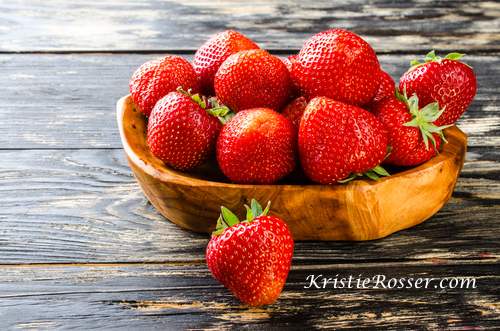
(282, 51)
(368, 264)
(103, 264)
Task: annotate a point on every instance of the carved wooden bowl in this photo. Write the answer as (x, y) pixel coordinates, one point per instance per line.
(361, 209)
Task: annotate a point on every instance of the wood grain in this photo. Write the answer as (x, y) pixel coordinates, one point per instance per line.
(180, 297)
(69, 101)
(390, 26)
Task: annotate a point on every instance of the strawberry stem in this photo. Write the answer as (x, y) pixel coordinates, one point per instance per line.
(431, 57)
(423, 118)
(228, 219)
(223, 113)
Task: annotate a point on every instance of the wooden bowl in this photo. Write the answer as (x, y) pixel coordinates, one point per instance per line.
(361, 209)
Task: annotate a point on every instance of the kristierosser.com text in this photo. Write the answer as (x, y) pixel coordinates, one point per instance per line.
(383, 282)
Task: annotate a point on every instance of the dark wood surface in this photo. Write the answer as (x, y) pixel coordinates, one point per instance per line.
(82, 248)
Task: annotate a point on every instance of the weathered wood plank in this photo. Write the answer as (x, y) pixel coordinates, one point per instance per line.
(75, 206)
(175, 24)
(69, 101)
(180, 297)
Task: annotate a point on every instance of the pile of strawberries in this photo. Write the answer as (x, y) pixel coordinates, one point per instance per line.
(327, 114)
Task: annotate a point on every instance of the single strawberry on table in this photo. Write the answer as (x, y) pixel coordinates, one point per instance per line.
(339, 65)
(338, 142)
(214, 52)
(257, 146)
(156, 78)
(252, 79)
(449, 82)
(251, 258)
(181, 132)
(411, 131)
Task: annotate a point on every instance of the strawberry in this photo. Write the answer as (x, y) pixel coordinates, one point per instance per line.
(214, 52)
(257, 146)
(409, 129)
(253, 79)
(386, 89)
(450, 83)
(339, 65)
(181, 132)
(338, 142)
(294, 110)
(156, 78)
(290, 64)
(251, 258)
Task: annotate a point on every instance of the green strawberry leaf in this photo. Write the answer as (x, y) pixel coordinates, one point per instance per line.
(453, 56)
(256, 208)
(431, 57)
(250, 213)
(229, 217)
(381, 171)
(423, 118)
(389, 149)
(221, 226)
(223, 113)
(351, 176)
(225, 220)
(264, 213)
(372, 174)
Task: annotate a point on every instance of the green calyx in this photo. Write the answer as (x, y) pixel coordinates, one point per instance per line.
(228, 219)
(431, 57)
(423, 118)
(372, 174)
(223, 113)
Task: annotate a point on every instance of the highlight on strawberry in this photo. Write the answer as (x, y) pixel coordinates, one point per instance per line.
(251, 258)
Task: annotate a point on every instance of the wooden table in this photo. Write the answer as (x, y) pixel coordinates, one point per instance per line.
(82, 248)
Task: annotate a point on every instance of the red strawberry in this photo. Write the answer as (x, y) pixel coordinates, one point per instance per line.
(290, 64)
(214, 52)
(257, 146)
(338, 141)
(450, 83)
(409, 129)
(294, 110)
(386, 89)
(251, 258)
(339, 65)
(252, 79)
(156, 78)
(181, 132)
